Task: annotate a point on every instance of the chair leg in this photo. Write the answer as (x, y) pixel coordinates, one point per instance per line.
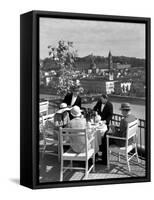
(136, 154)
(94, 162)
(61, 171)
(59, 156)
(108, 154)
(86, 170)
(128, 165)
(94, 146)
(136, 149)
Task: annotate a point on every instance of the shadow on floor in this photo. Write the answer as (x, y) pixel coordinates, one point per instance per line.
(50, 170)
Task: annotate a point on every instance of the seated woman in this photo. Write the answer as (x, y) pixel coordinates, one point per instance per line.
(78, 122)
(61, 118)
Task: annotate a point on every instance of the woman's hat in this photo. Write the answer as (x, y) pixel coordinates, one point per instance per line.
(63, 107)
(75, 111)
(125, 106)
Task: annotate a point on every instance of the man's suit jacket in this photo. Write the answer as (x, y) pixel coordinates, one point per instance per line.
(107, 112)
(68, 99)
(123, 128)
(123, 124)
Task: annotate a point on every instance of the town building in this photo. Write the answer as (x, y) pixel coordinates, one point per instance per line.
(122, 66)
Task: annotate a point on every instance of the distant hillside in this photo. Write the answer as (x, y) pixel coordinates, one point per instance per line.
(135, 62)
(99, 61)
(48, 64)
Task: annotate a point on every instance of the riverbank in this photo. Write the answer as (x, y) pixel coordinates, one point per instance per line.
(132, 100)
(94, 97)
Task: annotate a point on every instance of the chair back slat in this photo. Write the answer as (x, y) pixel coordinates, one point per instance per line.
(132, 129)
(82, 151)
(47, 118)
(44, 107)
(69, 133)
(50, 135)
(72, 130)
(73, 134)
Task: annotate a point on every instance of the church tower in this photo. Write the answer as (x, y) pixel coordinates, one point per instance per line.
(110, 61)
(110, 65)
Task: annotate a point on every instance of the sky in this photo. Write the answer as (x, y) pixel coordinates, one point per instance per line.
(94, 37)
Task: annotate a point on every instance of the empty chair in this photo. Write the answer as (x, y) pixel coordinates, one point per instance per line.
(44, 107)
(66, 135)
(50, 136)
(130, 144)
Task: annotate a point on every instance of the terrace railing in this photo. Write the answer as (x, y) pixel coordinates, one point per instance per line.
(140, 135)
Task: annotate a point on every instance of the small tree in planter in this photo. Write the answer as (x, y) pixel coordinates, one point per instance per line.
(64, 56)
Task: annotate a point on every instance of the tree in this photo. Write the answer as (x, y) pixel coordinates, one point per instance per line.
(64, 56)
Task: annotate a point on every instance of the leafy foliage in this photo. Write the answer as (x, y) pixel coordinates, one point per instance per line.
(64, 56)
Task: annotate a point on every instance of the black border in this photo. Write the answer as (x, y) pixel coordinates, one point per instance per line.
(29, 55)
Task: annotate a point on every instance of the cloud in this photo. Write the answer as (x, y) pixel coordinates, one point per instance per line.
(94, 36)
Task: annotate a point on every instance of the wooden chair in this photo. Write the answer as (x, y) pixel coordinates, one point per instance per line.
(44, 107)
(131, 133)
(65, 139)
(50, 136)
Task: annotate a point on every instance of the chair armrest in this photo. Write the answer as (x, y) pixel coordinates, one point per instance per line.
(115, 137)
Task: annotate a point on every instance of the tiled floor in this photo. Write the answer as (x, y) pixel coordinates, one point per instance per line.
(50, 170)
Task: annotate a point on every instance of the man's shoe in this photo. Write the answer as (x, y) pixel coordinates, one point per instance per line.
(104, 163)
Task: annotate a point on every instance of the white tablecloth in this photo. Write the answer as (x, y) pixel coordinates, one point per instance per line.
(99, 131)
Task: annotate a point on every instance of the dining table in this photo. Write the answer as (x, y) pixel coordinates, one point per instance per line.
(98, 129)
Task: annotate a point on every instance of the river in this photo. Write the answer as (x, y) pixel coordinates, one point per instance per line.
(137, 109)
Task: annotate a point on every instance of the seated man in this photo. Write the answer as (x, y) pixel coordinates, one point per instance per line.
(121, 130)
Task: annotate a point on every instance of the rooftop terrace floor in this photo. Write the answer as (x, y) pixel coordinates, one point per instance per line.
(50, 170)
